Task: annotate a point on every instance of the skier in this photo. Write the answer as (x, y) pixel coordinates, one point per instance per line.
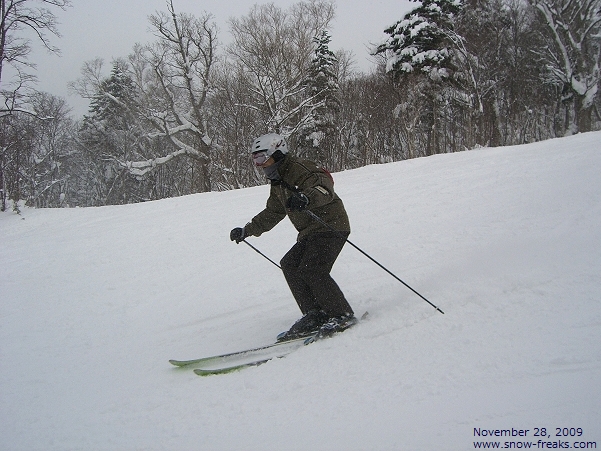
(296, 185)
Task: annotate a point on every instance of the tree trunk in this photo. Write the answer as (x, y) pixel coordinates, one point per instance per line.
(583, 115)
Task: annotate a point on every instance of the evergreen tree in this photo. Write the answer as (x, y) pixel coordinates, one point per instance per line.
(114, 101)
(111, 134)
(322, 87)
(421, 41)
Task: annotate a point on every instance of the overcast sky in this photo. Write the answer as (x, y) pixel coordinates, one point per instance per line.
(110, 28)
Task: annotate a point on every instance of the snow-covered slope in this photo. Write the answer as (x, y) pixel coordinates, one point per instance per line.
(506, 241)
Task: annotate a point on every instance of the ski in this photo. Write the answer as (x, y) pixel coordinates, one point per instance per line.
(229, 369)
(248, 357)
(234, 361)
(208, 371)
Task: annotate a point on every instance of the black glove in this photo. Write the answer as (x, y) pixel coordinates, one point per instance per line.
(238, 234)
(297, 202)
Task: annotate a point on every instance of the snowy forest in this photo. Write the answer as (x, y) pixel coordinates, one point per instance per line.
(177, 115)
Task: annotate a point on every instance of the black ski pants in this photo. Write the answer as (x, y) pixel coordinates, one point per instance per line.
(307, 269)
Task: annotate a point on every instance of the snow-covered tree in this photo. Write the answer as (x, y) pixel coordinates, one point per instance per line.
(419, 54)
(235, 127)
(174, 77)
(497, 82)
(274, 47)
(420, 41)
(36, 153)
(18, 17)
(573, 60)
(49, 173)
(322, 85)
(115, 99)
(111, 133)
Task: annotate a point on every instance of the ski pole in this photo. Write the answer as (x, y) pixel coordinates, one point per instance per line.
(321, 221)
(261, 253)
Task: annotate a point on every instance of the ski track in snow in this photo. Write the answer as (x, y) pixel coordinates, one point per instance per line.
(506, 241)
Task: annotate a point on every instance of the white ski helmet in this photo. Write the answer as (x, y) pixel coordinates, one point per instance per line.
(270, 144)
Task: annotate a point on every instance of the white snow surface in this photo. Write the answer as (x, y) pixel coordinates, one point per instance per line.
(506, 241)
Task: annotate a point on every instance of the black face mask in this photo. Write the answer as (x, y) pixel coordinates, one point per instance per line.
(271, 172)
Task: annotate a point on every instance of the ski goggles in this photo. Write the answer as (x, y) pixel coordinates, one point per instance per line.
(260, 157)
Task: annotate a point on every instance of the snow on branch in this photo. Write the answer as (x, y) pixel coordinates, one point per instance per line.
(141, 168)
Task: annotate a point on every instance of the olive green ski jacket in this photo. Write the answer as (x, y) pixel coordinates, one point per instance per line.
(301, 176)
